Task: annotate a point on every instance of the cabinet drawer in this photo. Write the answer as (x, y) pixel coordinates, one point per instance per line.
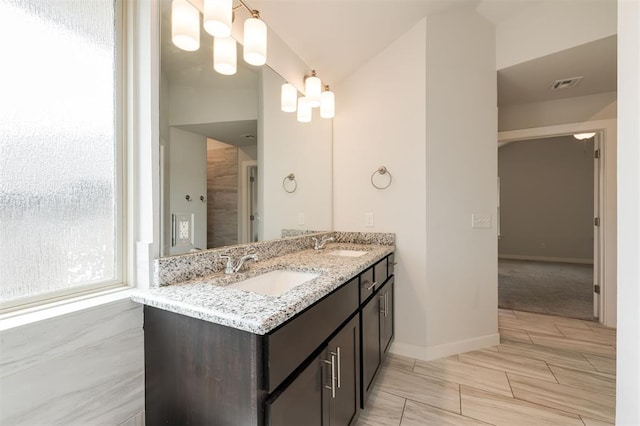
(380, 272)
(367, 285)
(288, 346)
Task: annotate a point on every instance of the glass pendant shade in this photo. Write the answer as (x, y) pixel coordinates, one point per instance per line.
(312, 90)
(584, 136)
(225, 55)
(327, 104)
(217, 17)
(185, 25)
(255, 41)
(288, 98)
(304, 110)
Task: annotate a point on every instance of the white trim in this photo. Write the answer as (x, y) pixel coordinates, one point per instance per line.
(64, 307)
(608, 202)
(545, 259)
(243, 200)
(440, 351)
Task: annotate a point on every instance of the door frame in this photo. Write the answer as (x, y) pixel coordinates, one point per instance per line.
(607, 129)
(243, 200)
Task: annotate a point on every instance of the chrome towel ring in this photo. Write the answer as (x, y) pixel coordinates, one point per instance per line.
(383, 171)
(292, 178)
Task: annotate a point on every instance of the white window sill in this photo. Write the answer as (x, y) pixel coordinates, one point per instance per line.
(67, 306)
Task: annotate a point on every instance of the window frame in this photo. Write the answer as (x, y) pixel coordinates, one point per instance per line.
(16, 306)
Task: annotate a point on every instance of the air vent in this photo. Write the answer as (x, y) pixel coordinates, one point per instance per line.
(565, 83)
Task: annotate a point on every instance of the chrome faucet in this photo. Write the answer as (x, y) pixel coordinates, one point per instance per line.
(231, 269)
(319, 244)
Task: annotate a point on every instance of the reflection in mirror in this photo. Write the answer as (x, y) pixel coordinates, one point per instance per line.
(225, 147)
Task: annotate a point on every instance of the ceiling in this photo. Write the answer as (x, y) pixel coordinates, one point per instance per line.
(531, 81)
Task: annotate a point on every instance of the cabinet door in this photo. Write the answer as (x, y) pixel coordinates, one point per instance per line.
(370, 345)
(386, 316)
(301, 402)
(344, 350)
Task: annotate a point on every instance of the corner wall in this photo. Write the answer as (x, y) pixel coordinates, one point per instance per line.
(404, 109)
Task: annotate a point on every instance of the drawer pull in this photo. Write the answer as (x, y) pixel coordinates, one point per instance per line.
(383, 303)
(337, 355)
(370, 287)
(333, 375)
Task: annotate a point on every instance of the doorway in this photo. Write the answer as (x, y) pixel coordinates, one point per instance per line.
(549, 236)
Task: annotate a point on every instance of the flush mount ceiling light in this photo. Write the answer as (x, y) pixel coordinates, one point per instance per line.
(217, 20)
(584, 136)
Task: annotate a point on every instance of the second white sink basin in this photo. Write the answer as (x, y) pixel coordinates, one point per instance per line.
(275, 283)
(347, 253)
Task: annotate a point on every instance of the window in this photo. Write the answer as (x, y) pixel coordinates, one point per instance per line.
(60, 149)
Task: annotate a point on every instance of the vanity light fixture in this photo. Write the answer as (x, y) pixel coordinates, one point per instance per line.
(185, 25)
(225, 55)
(327, 103)
(217, 17)
(217, 21)
(304, 110)
(255, 40)
(313, 89)
(584, 136)
(288, 97)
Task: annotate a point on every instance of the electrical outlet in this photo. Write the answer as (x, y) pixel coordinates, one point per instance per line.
(368, 220)
(301, 219)
(182, 230)
(480, 221)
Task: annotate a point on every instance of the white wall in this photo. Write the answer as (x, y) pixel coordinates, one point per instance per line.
(286, 146)
(188, 171)
(380, 120)
(404, 110)
(461, 169)
(566, 24)
(196, 105)
(628, 347)
(600, 106)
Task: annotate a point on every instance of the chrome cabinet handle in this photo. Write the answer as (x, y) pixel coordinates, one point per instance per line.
(337, 355)
(385, 303)
(333, 375)
(381, 300)
(373, 284)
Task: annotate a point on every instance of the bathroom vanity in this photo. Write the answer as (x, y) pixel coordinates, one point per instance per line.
(308, 356)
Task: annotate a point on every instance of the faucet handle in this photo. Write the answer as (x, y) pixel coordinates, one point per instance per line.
(227, 258)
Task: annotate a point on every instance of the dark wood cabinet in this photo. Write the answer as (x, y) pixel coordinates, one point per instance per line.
(315, 369)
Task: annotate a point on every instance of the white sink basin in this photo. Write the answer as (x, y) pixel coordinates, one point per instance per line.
(275, 283)
(347, 253)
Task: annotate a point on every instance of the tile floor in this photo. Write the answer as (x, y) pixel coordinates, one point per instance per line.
(546, 371)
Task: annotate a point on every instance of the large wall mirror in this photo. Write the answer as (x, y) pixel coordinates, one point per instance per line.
(226, 150)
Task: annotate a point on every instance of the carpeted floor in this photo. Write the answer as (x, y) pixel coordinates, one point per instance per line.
(563, 289)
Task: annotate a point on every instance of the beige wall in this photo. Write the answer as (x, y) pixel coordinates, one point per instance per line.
(546, 199)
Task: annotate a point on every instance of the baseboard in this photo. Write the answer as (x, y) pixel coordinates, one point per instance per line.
(545, 259)
(441, 351)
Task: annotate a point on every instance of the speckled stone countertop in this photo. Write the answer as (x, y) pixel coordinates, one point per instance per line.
(209, 299)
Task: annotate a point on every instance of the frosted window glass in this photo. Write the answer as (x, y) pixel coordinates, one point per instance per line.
(57, 147)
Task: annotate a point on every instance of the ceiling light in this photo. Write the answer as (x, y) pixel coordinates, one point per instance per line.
(304, 110)
(327, 103)
(255, 40)
(584, 136)
(288, 98)
(225, 55)
(185, 25)
(217, 17)
(313, 89)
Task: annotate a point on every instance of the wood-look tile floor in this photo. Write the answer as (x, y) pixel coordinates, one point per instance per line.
(546, 371)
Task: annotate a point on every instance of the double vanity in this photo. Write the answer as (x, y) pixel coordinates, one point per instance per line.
(295, 339)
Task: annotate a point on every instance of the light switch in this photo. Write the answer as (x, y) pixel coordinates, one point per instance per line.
(480, 221)
(301, 219)
(368, 220)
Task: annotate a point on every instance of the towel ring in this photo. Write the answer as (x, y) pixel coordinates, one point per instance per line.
(290, 177)
(383, 171)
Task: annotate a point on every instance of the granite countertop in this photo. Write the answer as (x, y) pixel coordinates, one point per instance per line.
(209, 299)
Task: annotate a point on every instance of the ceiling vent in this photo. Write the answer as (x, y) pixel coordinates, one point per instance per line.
(565, 83)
